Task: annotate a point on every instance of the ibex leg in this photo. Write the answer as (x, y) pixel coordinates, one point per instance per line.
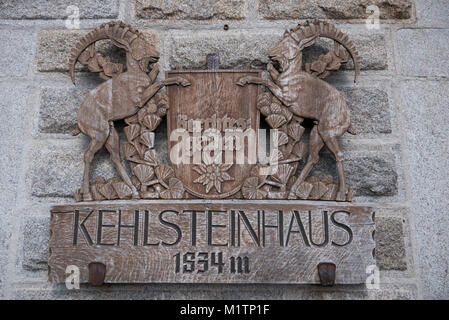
(315, 145)
(91, 150)
(113, 146)
(334, 147)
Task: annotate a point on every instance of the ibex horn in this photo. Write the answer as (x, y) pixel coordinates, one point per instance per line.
(115, 30)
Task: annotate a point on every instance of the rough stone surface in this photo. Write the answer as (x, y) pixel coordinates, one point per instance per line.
(370, 174)
(432, 13)
(57, 167)
(191, 9)
(249, 49)
(423, 52)
(17, 50)
(368, 103)
(425, 111)
(220, 292)
(54, 47)
(370, 45)
(36, 232)
(334, 9)
(59, 106)
(390, 250)
(15, 116)
(57, 9)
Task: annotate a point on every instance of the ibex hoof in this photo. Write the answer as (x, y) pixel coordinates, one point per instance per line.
(341, 196)
(291, 196)
(87, 197)
(135, 194)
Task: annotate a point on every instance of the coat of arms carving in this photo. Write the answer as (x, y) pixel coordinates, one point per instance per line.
(224, 101)
(230, 195)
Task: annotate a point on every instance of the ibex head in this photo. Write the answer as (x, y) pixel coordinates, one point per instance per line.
(122, 36)
(143, 52)
(290, 47)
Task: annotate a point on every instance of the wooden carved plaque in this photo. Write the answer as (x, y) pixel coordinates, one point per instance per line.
(227, 207)
(213, 101)
(193, 241)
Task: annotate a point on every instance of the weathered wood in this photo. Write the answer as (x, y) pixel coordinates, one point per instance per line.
(97, 273)
(326, 272)
(213, 99)
(209, 242)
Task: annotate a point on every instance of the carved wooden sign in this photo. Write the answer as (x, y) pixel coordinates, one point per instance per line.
(232, 203)
(199, 241)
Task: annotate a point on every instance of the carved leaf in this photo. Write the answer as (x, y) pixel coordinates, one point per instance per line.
(141, 114)
(264, 100)
(164, 172)
(300, 150)
(251, 191)
(151, 107)
(282, 138)
(287, 114)
(161, 111)
(135, 182)
(94, 188)
(283, 173)
(275, 157)
(147, 139)
(151, 121)
(175, 190)
(276, 108)
(108, 191)
(144, 173)
(151, 157)
(129, 150)
(265, 110)
(295, 131)
(131, 120)
(276, 120)
(132, 131)
(122, 189)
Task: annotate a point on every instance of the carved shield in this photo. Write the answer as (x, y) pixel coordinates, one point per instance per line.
(213, 100)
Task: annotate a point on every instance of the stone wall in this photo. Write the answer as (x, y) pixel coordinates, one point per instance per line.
(398, 160)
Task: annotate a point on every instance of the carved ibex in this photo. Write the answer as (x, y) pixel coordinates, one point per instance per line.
(118, 97)
(309, 97)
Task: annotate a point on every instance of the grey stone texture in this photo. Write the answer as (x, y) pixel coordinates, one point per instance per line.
(423, 52)
(424, 105)
(390, 247)
(54, 47)
(36, 232)
(57, 167)
(59, 106)
(248, 49)
(191, 9)
(368, 174)
(57, 9)
(334, 9)
(217, 292)
(431, 13)
(16, 114)
(17, 50)
(370, 110)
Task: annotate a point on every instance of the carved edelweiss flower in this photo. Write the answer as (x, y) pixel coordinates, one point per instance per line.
(212, 175)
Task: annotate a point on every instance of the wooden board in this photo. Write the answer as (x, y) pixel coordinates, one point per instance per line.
(215, 100)
(199, 241)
